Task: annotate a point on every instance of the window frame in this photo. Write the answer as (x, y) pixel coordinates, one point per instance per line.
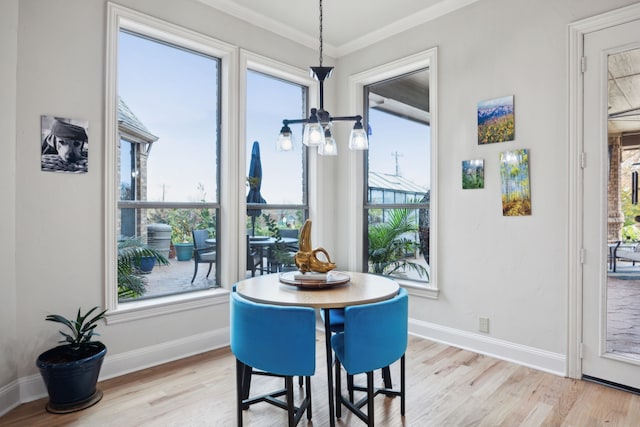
(250, 61)
(121, 18)
(357, 83)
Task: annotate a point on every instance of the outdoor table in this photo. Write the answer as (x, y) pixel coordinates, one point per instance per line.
(262, 242)
(363, 288)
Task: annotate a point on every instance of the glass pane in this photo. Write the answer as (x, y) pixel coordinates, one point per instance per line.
(128, 172)
(168, 232)
(399, 173)
(273, 236)
(623, 236)
(169, 97)
(399, 158)
(398, 243)
(168, 120)
(269, 101)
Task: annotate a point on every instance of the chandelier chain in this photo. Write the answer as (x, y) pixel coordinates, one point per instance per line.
(321, 33)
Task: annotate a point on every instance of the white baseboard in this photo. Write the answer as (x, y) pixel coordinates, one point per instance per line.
(30, 388)
(542, 360)
(9, 397)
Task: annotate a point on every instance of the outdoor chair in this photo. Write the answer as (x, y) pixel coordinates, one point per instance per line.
(272, 341)
(203, 253)
(375, 336)
(254, 259)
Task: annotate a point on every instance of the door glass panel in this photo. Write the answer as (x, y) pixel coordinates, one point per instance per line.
(623, 222)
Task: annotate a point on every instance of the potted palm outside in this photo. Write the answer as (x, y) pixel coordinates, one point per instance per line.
(70, 371)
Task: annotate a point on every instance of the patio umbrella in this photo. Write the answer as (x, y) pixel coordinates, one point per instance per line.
(255, 181)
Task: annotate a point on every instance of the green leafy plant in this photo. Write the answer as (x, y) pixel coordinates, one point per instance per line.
(82, 328)
(280, 254)
(387, 246)
(131, 283)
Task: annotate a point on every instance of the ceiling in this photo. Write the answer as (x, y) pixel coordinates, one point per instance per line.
(348, 25)
(624, 92)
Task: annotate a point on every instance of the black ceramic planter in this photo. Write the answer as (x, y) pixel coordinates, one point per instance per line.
(71, 384)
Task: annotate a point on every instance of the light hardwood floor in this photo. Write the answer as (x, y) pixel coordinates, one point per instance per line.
(446, 386)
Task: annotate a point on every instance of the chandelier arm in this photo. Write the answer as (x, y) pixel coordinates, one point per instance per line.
(347, 118)
(294, 121)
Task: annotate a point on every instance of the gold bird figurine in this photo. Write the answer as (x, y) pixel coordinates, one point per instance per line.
(306, 259)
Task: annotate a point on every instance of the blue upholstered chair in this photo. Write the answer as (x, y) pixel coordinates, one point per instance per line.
(203, 253)
(275, 341)
(336, 322)
(375, 336)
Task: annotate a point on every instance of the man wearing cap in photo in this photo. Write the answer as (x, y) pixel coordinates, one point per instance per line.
(65, 140)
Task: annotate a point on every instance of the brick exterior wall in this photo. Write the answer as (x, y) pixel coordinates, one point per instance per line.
(615, 219)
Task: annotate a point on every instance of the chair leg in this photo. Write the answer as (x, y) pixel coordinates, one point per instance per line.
(291, 411)
(370, 396)
(308, 390)
(239, 390)
(246, 383)
(209, 272)
(386, 377)
(195, 271)
(350, 386)
(402, 385)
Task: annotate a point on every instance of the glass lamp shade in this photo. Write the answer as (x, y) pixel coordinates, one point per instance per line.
(329, 147)
(284, 142)
(358, 139)
(312, 134)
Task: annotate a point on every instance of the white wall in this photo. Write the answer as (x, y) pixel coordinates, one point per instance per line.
(8, 49)
(513, 270)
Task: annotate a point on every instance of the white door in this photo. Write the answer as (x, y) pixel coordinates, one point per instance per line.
(600, 361)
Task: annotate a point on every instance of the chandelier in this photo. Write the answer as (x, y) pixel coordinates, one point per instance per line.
(317, 127)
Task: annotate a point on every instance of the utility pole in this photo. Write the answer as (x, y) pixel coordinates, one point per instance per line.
(396, 155)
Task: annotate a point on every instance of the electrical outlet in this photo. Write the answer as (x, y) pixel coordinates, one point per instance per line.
(484, 324)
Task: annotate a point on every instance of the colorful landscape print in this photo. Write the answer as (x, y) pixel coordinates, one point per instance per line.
(496, 121)
(472, 174)
(516, 191)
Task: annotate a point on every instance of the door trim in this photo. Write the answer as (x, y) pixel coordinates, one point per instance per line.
(577, 31)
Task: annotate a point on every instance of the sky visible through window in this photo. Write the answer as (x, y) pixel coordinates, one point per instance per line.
(173, 92)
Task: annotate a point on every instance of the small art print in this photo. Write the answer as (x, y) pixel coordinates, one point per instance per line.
(516, 189)
(472, 174)
(496, 120)
(64, 145)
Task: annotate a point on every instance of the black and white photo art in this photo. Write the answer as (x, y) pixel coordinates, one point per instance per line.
(64, 145)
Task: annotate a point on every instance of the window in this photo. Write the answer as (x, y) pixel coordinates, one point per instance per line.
(165, 128)
(398, 175)
(282, 205)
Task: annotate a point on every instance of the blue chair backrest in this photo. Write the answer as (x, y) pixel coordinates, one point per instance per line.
(199, 237)
(276, 339)
(375, 335)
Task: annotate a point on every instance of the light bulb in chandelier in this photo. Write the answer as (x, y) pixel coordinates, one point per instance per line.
(285, 139)
(358, 139)
(329, 147)
(313, 135)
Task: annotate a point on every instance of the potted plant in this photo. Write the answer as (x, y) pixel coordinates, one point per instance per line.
(181, 221)
(132, 254)
(70, 371)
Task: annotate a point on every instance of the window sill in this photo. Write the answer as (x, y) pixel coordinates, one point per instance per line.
(419, 290)
(136, 310)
